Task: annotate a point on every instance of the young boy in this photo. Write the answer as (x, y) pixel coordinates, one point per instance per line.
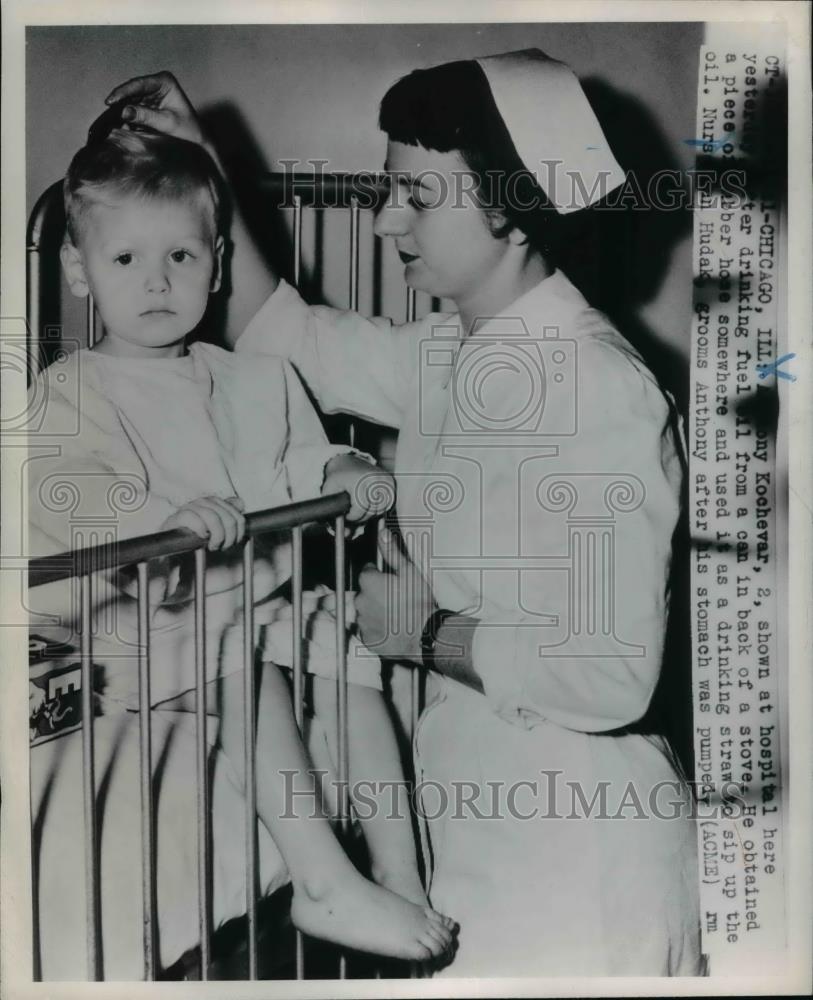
(172, 436)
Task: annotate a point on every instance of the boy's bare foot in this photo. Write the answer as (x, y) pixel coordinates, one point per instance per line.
(353, 912)
(403, 882)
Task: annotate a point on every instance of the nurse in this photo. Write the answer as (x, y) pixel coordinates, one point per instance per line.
(538, 490)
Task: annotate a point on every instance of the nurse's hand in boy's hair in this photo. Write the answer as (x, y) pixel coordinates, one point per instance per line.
(371, 489)
(158, 102)
(220, 522)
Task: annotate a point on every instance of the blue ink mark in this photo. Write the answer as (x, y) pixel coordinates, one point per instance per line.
(714, 143)
(773, 368)
(592, 147)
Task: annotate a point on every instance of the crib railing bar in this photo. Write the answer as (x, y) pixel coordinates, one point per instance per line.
(300, 956)
(148, 893)
(354, 253)
(342, 750)
(92, 898)
(410, 305)
(296, 591)
(299, 692)
(63, 565)
(297, 238)
(36, 220)
(418, 674)
(91, 321)
(202, 756)
(79, 562)
(299, 707)
(415, 700)
(250, 764)
(415, 689)
(354, 280)
(32, 273)
(33, 242)
(294, 514)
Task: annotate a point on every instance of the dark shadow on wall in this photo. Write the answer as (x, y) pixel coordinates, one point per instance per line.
(618, 253)
(243, 161)
(621, 249)
(760, 158)
(245, 164)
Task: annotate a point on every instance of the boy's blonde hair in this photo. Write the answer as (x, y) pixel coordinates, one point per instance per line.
(128, 163)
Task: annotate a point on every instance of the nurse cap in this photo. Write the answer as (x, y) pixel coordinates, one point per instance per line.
(553, 127)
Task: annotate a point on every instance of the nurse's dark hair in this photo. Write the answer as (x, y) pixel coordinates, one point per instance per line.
(450, 108)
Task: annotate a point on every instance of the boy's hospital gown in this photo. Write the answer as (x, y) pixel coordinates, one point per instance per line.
(209, 423)
(548, 506)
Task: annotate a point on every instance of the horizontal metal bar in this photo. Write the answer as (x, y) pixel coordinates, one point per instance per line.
(323, 189)
(63, 565)
(293, 514)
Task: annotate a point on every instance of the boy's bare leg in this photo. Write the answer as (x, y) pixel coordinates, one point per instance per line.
(332, 900)
(376, 773)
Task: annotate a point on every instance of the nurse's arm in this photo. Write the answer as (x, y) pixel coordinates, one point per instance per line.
(351, 364)
(584, 693)
(158, 101)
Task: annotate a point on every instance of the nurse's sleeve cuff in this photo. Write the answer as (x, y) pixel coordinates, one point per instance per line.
(307, 467)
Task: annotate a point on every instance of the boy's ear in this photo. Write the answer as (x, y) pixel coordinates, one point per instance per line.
(217, 272)
(74, 270)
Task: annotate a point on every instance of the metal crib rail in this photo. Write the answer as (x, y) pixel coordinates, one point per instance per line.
(83, 564)
(33, 245)
(322, 189)
(49, 569)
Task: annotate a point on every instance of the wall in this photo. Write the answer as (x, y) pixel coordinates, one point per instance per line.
(275, 92)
